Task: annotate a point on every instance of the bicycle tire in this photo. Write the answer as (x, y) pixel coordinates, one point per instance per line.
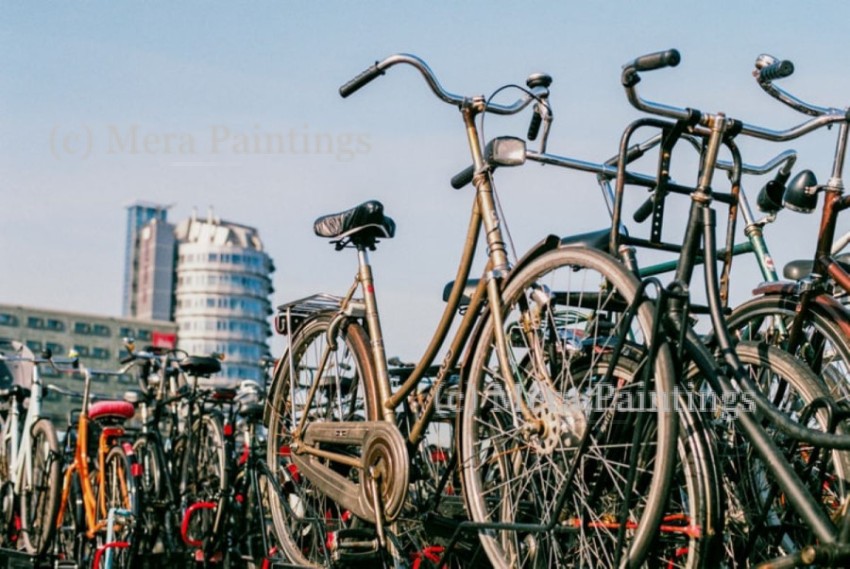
(525, 488)
(825, 346)
(40, 503)
(151, 482)
(121, 492)
(302, 516)
(205, 475)
(747, 479)
(70, 530)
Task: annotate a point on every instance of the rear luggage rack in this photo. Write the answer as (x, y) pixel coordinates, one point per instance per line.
(293, 314)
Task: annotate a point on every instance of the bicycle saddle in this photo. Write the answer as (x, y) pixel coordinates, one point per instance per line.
(200, 365)
(796, 270)
(111, 412)
(18, 392)
(592, 240)
(366, 221)
(252, 411)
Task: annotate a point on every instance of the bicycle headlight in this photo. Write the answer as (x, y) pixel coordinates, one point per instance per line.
(801, 194)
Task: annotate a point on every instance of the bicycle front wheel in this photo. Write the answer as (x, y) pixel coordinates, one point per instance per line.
(40, 497)
(574, 462)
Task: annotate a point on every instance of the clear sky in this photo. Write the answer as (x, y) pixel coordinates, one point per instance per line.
(104, 103)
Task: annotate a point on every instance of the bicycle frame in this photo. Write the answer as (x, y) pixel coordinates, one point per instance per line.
(20, 460)
(833, 539)
(94, 503)
(497, 273)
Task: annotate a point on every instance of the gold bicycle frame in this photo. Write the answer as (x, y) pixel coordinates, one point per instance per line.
(484, 213)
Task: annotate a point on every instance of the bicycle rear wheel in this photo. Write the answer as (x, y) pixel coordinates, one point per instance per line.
(40, 500)
(564, 447)
(304, 519)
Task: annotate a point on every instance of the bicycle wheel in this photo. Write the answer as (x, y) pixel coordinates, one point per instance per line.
(303, 517)
(152, 524)
(205, 477)
(40, 498)
(120, 497)
(760, 524)
(562, 447)
(70, 532)
(825, 347)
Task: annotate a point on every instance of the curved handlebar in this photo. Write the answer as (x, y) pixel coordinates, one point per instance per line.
(380, 68)
(768, 68)
(822, 116)
(649, 62)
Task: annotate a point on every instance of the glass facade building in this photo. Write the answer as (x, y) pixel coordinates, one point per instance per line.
(221, 295)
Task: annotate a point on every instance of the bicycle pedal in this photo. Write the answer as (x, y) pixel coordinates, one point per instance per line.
(353, 545)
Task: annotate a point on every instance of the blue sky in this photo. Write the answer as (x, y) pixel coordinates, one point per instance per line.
(103, 103)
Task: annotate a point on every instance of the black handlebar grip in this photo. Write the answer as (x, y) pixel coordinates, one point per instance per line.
(776, 70)
(645, 209)
(657, 60)
(534, 126)
(360, 80)
(462, 178)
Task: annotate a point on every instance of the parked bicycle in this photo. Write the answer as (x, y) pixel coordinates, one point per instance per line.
(97, 523)
(334, 441)
(30, 461)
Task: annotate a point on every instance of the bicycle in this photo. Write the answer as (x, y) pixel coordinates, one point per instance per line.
(182, 449)
(30, 462)
(335, 447)
(787, 380)
(786, 486)
(804, 316)
(100, 502)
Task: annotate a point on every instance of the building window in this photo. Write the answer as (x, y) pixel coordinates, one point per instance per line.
(101, 330)
(144, 335)
(55, 348)
(82, 351)
(55, 325)
(82, 328)
(35, 346)
(127, 332)
(35, 322)
(100, 353)
(8, 320)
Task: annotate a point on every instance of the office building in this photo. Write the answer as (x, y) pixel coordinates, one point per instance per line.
(97, 339)
(139, 214)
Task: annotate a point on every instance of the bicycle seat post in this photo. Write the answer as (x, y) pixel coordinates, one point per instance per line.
(373, 322)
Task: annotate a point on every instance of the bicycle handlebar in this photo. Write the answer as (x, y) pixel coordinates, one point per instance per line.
(379, 68)
(822, 116)
(768, 68)
(72, 363)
